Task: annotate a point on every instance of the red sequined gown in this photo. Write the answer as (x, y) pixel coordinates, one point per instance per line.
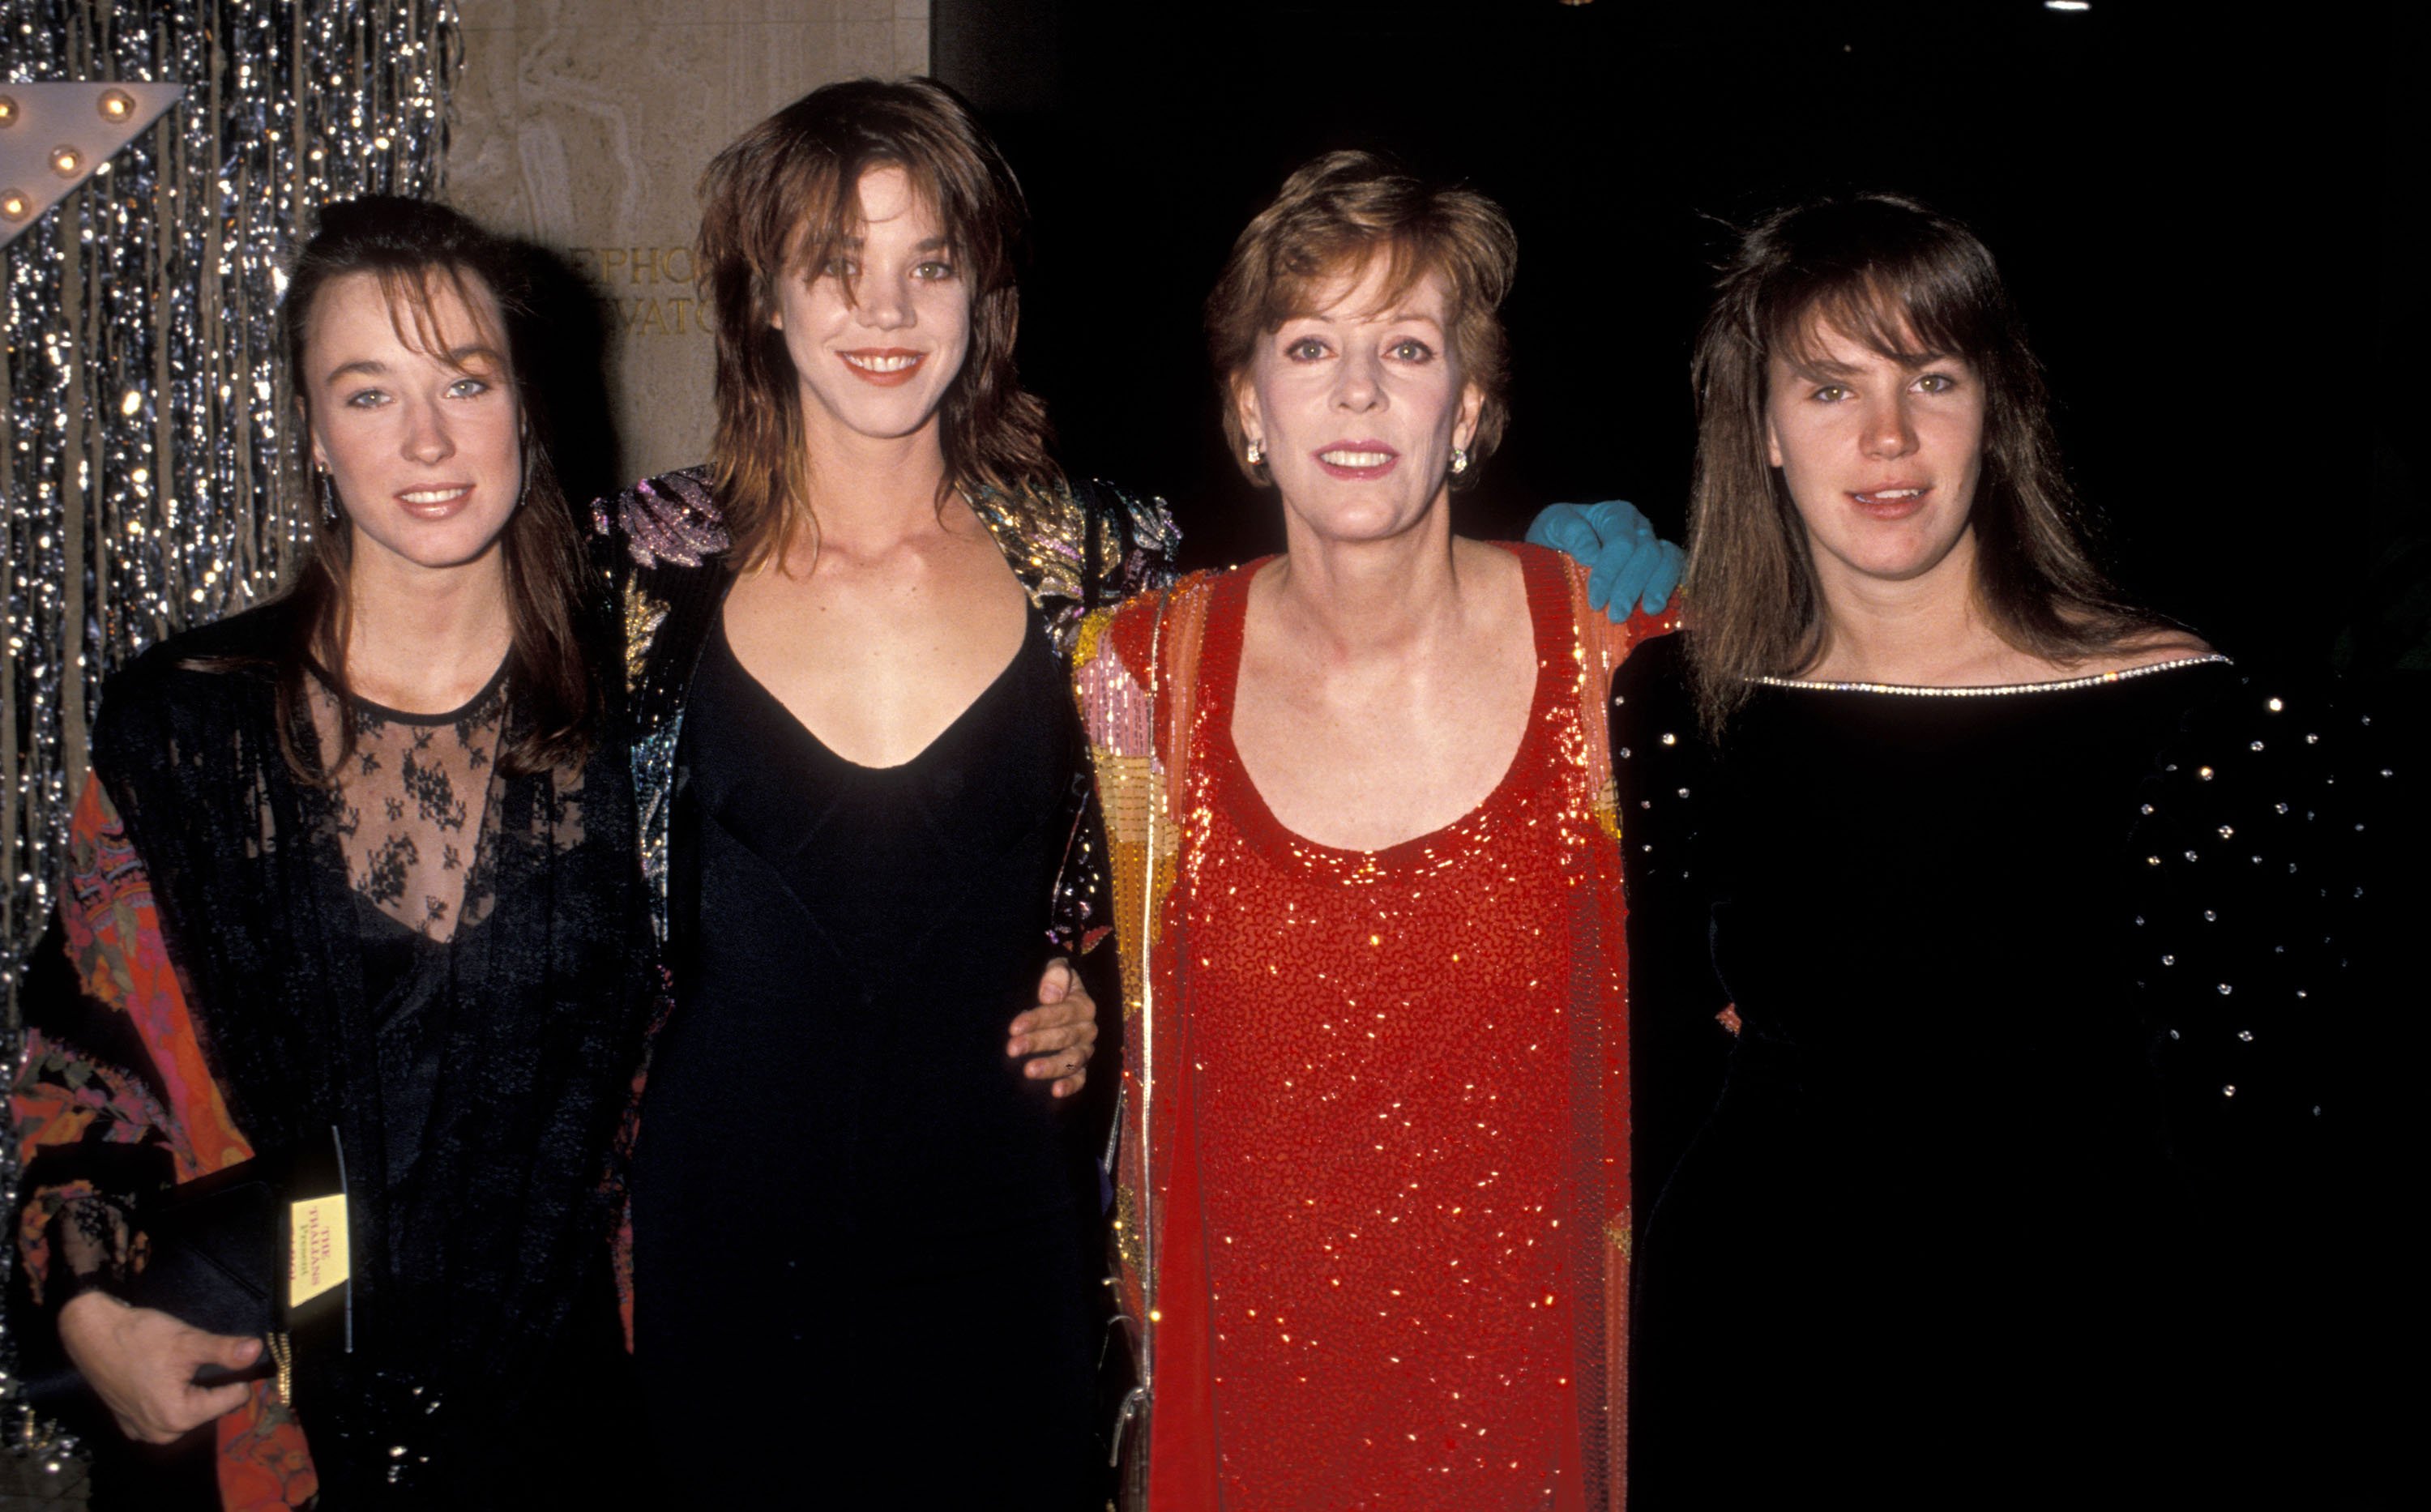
(1407, 1163)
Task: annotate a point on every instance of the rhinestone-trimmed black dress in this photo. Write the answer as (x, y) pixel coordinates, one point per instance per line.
(2030, 1171)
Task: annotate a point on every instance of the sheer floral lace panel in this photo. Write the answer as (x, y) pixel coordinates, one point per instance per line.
(413, 814)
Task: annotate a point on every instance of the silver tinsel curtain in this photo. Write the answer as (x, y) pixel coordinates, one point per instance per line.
(145, 443)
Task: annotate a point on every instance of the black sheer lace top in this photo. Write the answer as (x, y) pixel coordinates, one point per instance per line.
(448, 963)
(414, 822)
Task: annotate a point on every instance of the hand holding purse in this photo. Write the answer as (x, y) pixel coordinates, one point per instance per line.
(258, 1251)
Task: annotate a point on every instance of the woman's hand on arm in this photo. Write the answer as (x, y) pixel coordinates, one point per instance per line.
(1628, 565)
(142, 1361)
(1061, 1034)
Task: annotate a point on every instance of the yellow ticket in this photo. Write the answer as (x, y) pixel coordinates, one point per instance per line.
(316, 1257)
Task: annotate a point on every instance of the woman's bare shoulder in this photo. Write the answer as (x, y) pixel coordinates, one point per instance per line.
(2152, 647)
(2007, 665)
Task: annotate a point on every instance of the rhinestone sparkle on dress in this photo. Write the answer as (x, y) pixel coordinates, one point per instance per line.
(2062, 685)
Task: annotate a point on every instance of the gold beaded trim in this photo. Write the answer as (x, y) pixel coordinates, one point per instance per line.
(2060, 686)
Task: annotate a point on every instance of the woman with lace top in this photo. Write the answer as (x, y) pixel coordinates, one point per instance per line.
(2017, 1168)
(362, 859)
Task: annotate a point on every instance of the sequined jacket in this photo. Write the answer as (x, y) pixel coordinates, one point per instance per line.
(660, 550)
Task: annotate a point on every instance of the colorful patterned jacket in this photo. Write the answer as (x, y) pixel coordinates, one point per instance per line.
(135, 1105)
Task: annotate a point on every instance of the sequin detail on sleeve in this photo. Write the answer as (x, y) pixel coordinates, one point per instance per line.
(1079, 546)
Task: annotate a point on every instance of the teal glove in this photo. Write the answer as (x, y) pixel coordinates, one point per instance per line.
(1629, 567)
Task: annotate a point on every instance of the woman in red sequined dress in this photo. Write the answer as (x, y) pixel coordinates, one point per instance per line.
(1374, 1209)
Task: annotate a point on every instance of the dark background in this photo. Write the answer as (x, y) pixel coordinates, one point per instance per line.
(2208, 213)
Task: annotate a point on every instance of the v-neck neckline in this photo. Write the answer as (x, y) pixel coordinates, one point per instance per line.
(1031, 630)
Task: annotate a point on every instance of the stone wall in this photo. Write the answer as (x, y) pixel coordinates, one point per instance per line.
(584, 126)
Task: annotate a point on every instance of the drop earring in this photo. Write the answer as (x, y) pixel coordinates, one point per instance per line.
(1256, 453)
(1459, 460)
(325, 490)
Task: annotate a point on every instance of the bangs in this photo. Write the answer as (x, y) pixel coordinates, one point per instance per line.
(1873, 317)
(783, 201)
(1301, 271)
(826, 212)
(820, 213)
(1912, 304)
(1335, 216)
(815, 214)
(412, 293)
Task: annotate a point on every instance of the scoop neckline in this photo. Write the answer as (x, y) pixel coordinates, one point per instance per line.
(1248, 805)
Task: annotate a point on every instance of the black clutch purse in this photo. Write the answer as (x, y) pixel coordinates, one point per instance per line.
(258, 1250)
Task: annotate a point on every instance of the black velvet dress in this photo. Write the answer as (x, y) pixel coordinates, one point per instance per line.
(841, 1179)
(1973, 1216)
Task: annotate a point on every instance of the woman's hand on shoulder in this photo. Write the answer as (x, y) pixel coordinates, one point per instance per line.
(1628, 565)
(1061, 1034)
(142, 1363)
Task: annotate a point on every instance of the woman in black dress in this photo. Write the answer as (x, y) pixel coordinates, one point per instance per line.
(361, 858)
(2029, 922)
(866, 1238)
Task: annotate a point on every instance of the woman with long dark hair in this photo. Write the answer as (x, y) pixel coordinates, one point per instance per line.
(361, 859)
(864, 1239)
(2028, 921)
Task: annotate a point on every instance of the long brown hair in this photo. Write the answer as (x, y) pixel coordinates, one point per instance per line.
(1333, 215)
(775, 205)
(414, 248)
(1912, 285)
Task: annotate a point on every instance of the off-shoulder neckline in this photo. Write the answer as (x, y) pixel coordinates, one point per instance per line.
(1998, 689)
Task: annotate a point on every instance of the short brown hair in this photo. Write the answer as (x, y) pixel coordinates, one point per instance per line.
(1912, 285)
(775, 203)
(1335, 214)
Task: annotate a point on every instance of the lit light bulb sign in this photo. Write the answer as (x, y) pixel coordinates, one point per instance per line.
(53, 137)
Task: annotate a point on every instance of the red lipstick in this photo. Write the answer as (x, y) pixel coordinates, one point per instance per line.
(885, 367)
